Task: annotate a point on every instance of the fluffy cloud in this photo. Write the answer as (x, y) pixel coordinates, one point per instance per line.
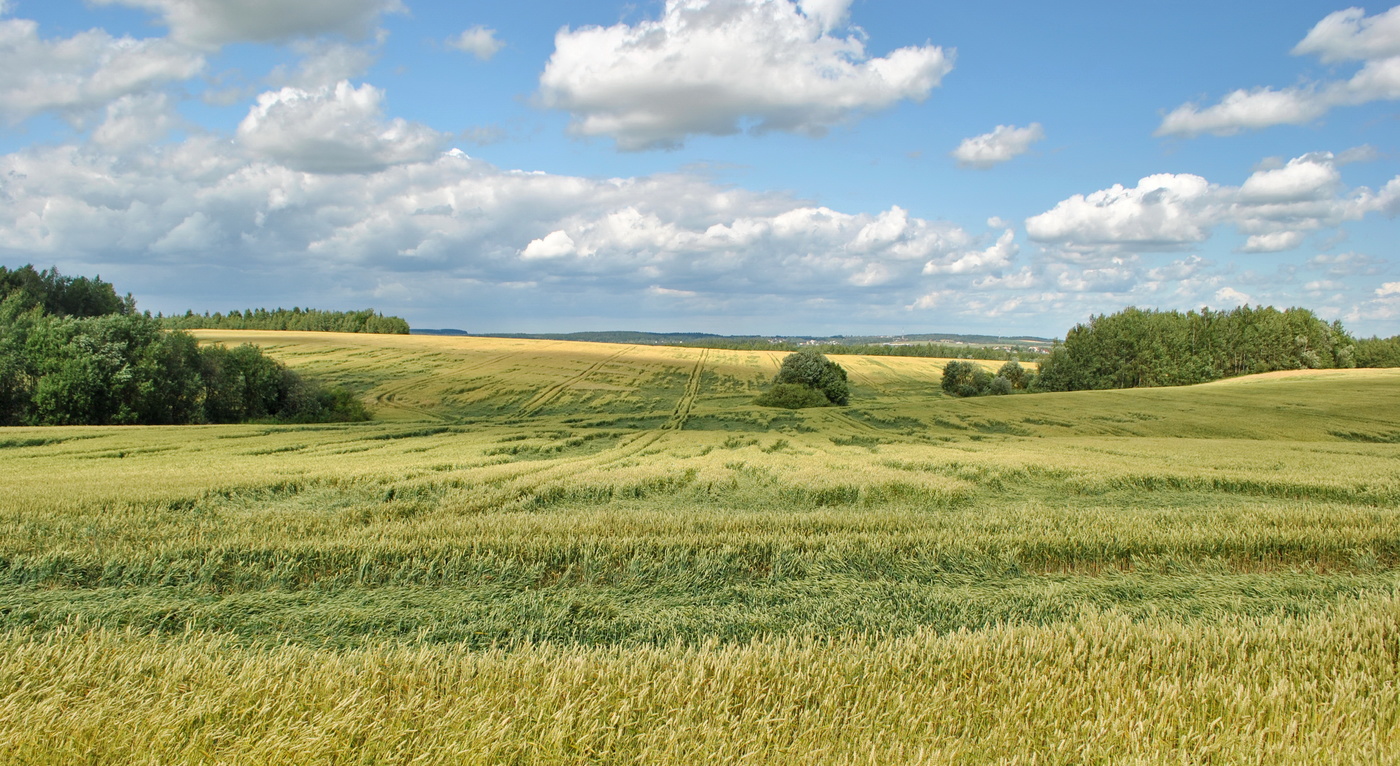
(1002, 144)
(1347, 264)
(1273, 242)
(1275, 207)
(203, 206)
(136, 120)
(556, 244)
(478, 41)
(212, 23)
(1229, 296)
(715, 66)
(992, 260)
(324, 63)
(1310, 177)
(1384, 307)
(81, 74)
(337, 129)
(1341, 36)
(1351, 35)
(1162, 212)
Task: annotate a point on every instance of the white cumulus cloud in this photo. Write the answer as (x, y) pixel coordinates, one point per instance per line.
(1305, 178)
(1273, 242)
(1229, 296)
(80, 74)
(991, 260)
(135, 120)
(716, 66)
(1161, 212)
(337, 129)
(478, 41)
(1004, 143)
(212, 23)
(556, 244)
(206, 204)
(1351, 34)
(1275, 208)
(323, 63)
(1341, 36)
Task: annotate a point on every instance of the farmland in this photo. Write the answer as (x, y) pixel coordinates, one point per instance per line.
(556, 551)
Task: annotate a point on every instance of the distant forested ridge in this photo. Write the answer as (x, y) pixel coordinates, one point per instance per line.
(1136, 347)
(305, 320)
(966, 347)
(74, 353)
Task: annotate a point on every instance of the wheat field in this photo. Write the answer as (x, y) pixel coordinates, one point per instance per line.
(548, 552)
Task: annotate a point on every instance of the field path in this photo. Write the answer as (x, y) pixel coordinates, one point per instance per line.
(388, 396)
(687, 400)
(538, 401)
(858, 426)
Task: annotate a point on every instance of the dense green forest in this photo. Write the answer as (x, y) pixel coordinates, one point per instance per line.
(296, 319)
(73, 352)
(1137, 347)
(1377, 352)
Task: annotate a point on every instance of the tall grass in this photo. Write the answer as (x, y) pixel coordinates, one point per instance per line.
(553, 552)
(1099, 689)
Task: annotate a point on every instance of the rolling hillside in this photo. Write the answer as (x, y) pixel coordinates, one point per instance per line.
(563, 552)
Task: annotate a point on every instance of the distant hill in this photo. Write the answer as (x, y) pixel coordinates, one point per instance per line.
(705, 339)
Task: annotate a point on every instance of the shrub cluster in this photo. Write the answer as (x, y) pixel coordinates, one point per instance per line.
(74, 367)
(807, 379)
(968, 379)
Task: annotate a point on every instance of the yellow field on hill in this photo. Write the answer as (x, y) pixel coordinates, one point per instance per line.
(563, 552)
(418, 377)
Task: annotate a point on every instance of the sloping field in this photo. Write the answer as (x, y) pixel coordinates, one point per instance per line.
(560, 552)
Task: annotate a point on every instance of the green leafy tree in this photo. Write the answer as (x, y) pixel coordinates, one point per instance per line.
(1014, 374)
(60, 364)
(810, 369)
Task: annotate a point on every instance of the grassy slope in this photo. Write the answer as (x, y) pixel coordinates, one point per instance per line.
(1087, 566)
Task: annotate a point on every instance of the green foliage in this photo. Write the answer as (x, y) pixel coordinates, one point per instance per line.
(1014, 374)
(1377, 352)
(58, 295)
(305, 320)
(792, 396)
(1135, 348)
(966, 379)
(124, 368)
(811, 369)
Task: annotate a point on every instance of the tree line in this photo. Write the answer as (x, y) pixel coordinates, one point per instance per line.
(927, 350)
(1136, 347)
(72, 352)
(305, 320)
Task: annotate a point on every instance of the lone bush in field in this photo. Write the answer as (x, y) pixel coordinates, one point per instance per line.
(969, 379)
(1014, 374)
(792, 396)
(807, 379)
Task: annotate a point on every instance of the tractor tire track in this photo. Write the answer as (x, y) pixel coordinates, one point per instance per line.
(537, 402)
(688, 397)
(387, 396)
(505, 490)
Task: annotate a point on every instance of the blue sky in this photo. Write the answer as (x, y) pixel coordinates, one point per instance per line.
(732, 166)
